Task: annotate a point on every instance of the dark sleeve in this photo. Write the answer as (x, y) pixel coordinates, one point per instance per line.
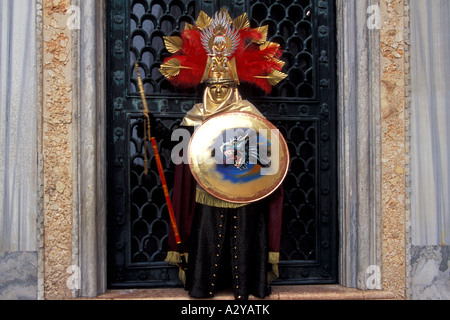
(183, 202)
(275, 219)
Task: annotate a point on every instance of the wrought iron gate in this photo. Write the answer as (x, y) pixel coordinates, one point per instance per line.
(303, 107)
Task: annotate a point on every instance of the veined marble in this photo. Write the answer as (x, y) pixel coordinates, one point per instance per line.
(430, 273)
(18, 280)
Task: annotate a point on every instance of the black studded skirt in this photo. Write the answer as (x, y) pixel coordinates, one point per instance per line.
(229, 249)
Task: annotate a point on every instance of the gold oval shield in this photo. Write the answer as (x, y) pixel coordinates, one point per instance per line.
(238, 157)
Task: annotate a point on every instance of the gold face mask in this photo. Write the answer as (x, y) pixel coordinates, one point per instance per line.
(220, 92)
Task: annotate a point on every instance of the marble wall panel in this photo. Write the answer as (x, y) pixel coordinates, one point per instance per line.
(18, 280)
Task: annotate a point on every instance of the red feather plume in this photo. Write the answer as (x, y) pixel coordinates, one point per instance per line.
(192, 56)
(252, 62)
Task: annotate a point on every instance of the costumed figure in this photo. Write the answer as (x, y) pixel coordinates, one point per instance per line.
(228, 244)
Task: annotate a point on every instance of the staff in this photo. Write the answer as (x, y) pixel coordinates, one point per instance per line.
(147, 135)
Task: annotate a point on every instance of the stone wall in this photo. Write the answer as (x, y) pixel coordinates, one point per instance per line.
(18, 149)
(57, 149)
(393, 148)
(428, 251)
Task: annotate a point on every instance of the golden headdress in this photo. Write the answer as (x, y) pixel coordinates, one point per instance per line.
(220, 49)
